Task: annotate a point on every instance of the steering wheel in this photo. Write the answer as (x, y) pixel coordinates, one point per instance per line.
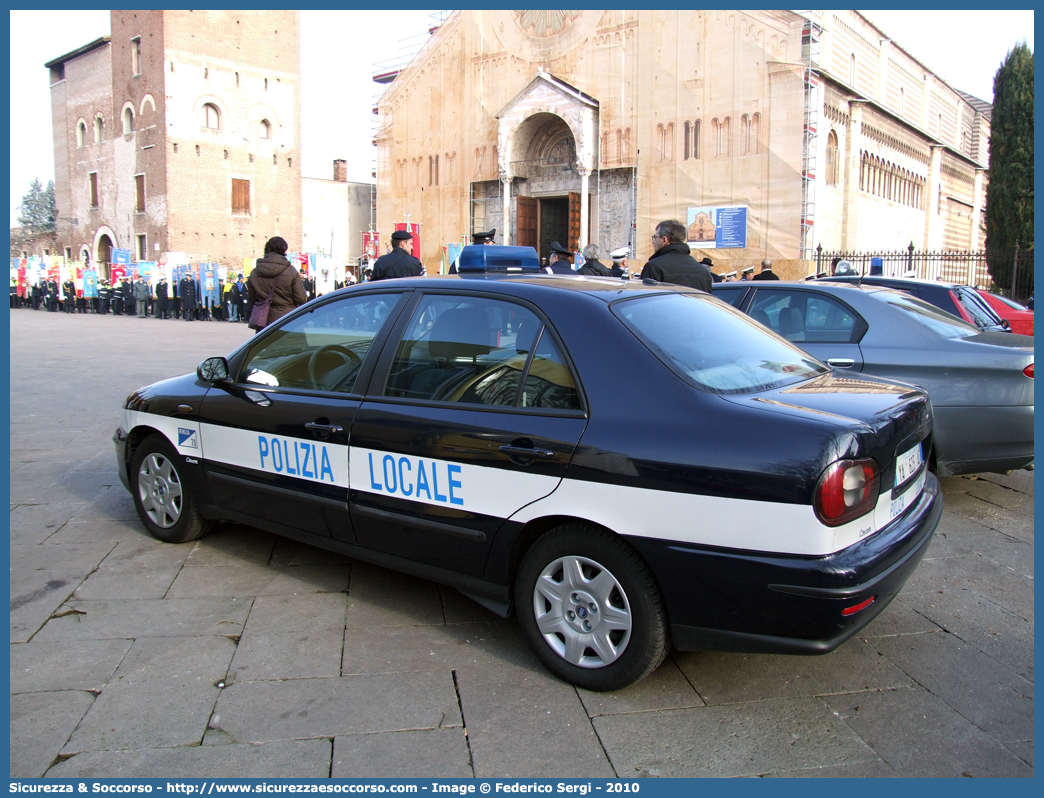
(347, 355)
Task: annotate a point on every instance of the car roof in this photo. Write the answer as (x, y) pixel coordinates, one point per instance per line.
(607, 289)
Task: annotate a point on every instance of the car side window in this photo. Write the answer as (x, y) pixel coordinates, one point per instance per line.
(476, 350)
(734, 296)
(321, 350)
(804, 316)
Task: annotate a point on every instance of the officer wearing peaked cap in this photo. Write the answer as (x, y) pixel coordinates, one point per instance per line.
(484, 238)
(560, 260)
(619, 258)
(400, 261)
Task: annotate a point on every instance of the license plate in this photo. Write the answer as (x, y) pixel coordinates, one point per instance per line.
(906, 464)
(900, 503)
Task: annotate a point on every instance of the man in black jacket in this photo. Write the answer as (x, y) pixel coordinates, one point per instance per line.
(400, 261)
(592, 266)
(766, 271)
(671, 262)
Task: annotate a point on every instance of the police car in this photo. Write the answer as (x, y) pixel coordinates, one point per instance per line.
(626, 466)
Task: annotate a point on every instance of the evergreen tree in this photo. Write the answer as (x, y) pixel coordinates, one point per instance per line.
(1009, 196)
(38, 213)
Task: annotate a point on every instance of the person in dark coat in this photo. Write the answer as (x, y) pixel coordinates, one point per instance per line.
(128, 297)
(187, 291)
(37, 295)
(240, 296)
(52, 296)
(104, 294)
(274, 275)
(715, 277)
(69, 292)
(766, 272)
(592, 266)
(619, 257)
(162, 299)
(400, 261)
(560, 261)
(671, 262)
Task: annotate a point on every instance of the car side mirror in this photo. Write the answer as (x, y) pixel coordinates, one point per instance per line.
(1005, 324)
(213, 369)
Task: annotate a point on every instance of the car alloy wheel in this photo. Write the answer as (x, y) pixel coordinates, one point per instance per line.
(159, 489)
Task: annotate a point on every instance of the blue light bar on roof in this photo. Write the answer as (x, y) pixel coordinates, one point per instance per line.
(492, 258)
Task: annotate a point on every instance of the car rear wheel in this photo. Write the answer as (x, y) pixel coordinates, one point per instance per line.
(163, 499)
(590, 608)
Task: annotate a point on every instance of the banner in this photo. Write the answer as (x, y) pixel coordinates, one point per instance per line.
(146, 270)
(717, 227)
(121, 256)
(209, 283)
(90, 283)
(371, 245)
(117, 273)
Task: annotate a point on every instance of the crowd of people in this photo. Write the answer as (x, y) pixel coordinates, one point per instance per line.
(281, 287)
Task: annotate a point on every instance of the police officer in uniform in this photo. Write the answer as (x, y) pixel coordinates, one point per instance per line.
(619, 257)
(162, 299)
(560, 261)
(484, 239)
(52, 296)
(104, 293)
(69, 290)
(400, 261)
(36, 293)
(187, 291)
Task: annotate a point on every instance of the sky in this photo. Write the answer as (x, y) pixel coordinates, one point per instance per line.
(964, 48)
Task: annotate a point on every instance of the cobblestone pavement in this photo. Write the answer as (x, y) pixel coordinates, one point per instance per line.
(119, 643)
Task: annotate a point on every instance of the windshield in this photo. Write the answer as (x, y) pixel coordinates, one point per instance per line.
(981, 313)
(938, 321)
(712, 346)
(1011, 303)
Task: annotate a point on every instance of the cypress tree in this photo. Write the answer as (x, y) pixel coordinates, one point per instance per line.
(1009, 195)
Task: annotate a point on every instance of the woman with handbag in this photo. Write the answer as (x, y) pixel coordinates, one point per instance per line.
(274, 287)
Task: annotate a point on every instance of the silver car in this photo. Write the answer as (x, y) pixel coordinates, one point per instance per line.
(980, 383)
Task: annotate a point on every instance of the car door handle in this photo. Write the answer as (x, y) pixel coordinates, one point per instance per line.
(527, 451)
(840, 362)
(324, 431)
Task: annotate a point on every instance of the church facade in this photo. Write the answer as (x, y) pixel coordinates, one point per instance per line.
(767, 133)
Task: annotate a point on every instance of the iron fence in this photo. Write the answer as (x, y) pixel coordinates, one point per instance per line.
(1011, 274)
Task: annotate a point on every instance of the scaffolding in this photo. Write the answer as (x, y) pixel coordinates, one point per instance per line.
(810, 37)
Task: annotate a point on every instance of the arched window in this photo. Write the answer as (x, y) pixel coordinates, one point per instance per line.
(696, 129)
(902, 101)
(211, 116)
(264, 129)
(99, 130)
(726, 127)
(716, 130)
(128, 121)
(627, 143)
(668, 143)
(831, 159)
(852, 71)
(660, 139)
(619, 146)
(744, 144)
(755, 133)
(686, 137)
(81, 134)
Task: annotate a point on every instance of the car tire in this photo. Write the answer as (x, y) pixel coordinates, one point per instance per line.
(591, 609)
(164, 500)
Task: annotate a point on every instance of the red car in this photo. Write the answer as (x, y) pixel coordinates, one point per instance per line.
(1019, 316)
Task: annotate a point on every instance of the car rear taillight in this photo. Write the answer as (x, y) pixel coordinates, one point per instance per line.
(1028, 371)
(847, 490)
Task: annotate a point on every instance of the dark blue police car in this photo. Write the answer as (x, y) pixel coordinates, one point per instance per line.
(624, 465)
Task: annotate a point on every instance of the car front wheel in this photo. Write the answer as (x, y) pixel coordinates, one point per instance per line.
(591, 609)
(162, 497)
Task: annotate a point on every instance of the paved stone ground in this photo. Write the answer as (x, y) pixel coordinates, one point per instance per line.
(338, 668)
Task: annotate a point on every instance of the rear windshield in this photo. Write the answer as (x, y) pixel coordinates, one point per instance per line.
(714, 347)
(982, 313)
(938, 321)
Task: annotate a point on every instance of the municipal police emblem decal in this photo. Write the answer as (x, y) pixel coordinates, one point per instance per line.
(187, 438)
